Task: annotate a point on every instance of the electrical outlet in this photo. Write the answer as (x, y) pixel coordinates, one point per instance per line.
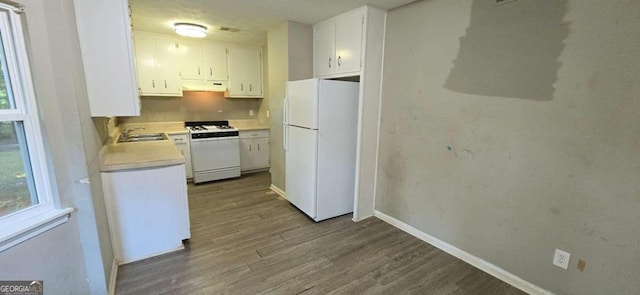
(250, 113)
(561, 259)
(268, 113)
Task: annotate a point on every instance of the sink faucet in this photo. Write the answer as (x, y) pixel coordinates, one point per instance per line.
(128, 131)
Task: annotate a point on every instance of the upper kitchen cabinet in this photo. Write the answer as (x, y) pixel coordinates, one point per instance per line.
(157, 64)
(191, 60)
(324, 48)
(337, 45)
(107, 54)
(215, 62)
(349, 42)
(245, 72)
(202, 60)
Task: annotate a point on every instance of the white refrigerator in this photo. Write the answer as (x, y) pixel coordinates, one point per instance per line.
(320, 130)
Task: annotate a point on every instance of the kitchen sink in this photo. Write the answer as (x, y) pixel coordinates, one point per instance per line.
(142, 137)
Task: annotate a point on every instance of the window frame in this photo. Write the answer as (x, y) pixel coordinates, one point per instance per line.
(28, 222)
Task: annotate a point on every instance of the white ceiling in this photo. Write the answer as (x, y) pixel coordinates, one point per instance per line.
(252, 17)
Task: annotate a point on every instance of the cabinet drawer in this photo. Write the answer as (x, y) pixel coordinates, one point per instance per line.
(179, 138)
(254, 134)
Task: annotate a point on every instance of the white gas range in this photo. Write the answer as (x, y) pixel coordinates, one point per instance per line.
(215, 150)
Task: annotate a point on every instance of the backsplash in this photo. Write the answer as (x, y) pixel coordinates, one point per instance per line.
(194, 106)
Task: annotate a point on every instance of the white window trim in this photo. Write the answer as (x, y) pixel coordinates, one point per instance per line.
(32, 221)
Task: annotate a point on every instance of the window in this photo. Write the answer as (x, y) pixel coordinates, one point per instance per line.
(26, 204)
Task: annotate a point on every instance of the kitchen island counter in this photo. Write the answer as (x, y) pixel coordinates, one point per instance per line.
(136, 155)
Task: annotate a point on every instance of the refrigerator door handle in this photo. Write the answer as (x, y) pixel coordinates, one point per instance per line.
(285, 110)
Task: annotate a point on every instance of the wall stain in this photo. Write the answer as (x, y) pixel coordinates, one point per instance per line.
(511, 50)
(473, 157)
(466, 151)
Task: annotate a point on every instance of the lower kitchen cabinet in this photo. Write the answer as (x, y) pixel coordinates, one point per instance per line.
(254, 150)
(182, 143)
(148, 211)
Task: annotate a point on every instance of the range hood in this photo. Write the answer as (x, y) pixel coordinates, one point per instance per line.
(213, 86)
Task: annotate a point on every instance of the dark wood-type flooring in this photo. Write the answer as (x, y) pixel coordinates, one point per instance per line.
(245, 239)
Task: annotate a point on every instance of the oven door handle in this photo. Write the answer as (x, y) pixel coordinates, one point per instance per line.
(196, 140)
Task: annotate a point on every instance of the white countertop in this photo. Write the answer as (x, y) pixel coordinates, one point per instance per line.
(135, 155)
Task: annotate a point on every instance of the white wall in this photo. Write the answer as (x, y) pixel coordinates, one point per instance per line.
(509, 176)
(290, 47)
(277, 38)
(74, 257)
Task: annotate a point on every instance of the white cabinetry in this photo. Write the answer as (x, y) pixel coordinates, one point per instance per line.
(156, 61)
(202, 60)
(254, 150)
(148, 211)
(324, 48)
(107, 55)
(191, 60)
(215, 62)
(245, 72)
(337, 46)
(182, 143)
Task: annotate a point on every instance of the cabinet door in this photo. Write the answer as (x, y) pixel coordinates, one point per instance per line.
(245, 72)
(187, 158)
(145, 48)
(167, 66)
(253, 72)
(261, 153)
(191, 60)
(237, 69)
(215, 58)
(182, 144)
(348, 42)
(108, 57)
(324, 48)
(246, 157)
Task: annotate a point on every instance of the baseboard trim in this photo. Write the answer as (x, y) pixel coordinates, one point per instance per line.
(179, 248)
(478, 262)
(111, 288)
(278, 191)
(362, 218)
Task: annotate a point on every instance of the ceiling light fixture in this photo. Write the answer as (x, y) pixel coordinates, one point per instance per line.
(190, 30)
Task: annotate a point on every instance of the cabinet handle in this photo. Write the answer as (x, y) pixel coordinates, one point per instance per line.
(153, 83)
(198, 70)
(339, 59)
(241, 87)
(329, 62)
(250, 87)
(249, 147)
(210, 72)
(258, 146)
(165, 84)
